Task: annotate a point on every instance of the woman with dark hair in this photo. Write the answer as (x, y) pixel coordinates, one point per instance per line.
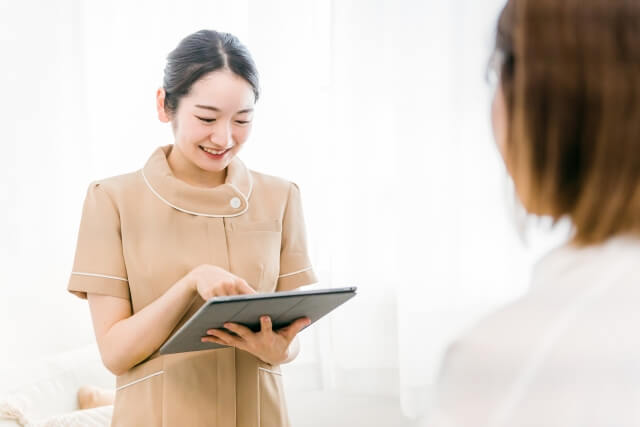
(192, 224)
(566, 118)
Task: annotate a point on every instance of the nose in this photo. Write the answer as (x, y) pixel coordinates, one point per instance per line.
(221, 135)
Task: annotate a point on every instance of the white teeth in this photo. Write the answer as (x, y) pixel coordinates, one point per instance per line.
(217, 153)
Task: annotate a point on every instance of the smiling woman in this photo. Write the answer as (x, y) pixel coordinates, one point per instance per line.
(194, 223)
(209, 101)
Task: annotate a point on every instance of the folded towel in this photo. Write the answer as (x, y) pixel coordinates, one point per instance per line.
(14, 410)
(95, 417)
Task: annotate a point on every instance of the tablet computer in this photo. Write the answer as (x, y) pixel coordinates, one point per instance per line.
(282, 307)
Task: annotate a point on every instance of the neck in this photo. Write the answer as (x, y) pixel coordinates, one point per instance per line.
(188, 172)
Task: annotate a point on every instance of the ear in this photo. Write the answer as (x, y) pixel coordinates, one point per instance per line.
(162, 113)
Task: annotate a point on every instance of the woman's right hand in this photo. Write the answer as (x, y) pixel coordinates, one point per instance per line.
(212, 281)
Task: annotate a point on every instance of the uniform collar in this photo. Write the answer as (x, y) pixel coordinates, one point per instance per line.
(226, 200)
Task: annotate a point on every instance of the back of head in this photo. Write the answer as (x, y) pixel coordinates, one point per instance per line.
(570, 74)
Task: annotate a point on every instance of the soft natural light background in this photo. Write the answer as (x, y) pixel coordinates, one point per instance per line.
(379, 110)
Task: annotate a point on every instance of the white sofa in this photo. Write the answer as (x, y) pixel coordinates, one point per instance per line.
(42, 392)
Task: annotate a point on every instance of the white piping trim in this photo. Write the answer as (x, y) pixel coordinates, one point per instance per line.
(77, 273)
(270, 371)
(250, 187)
(246, 199)
(295, 272)
(139, 380)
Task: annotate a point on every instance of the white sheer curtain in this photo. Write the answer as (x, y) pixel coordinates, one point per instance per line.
(387, 113)
(377, 109)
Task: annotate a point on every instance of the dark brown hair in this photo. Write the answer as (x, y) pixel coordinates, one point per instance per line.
(201, 53)
(570, 74)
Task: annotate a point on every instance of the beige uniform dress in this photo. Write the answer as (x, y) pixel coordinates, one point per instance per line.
(141, 232)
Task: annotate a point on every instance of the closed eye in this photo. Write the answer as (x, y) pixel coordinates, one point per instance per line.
(243, 122)
(206, 120)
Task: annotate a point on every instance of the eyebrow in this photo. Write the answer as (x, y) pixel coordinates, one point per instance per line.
(212, 108)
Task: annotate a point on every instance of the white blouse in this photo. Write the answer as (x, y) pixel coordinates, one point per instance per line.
(566, 354)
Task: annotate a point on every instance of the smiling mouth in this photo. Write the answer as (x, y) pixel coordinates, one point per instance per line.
(215, 153)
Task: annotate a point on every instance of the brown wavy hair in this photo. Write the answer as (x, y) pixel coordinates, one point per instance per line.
(570, 74)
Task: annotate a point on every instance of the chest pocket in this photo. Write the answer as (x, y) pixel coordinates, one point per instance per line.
(254, 252)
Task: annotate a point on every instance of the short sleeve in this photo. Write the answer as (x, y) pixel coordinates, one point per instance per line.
(295, 266)
(99, 263)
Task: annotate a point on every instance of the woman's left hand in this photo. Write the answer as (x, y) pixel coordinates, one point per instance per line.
(268, 345)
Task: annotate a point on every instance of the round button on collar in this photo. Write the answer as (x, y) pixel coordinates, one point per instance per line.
(235, 203)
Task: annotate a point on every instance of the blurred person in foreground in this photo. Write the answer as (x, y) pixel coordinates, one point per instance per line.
(566, 119)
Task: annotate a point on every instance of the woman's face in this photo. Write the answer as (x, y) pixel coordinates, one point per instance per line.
(499, 119)
(214, 120)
